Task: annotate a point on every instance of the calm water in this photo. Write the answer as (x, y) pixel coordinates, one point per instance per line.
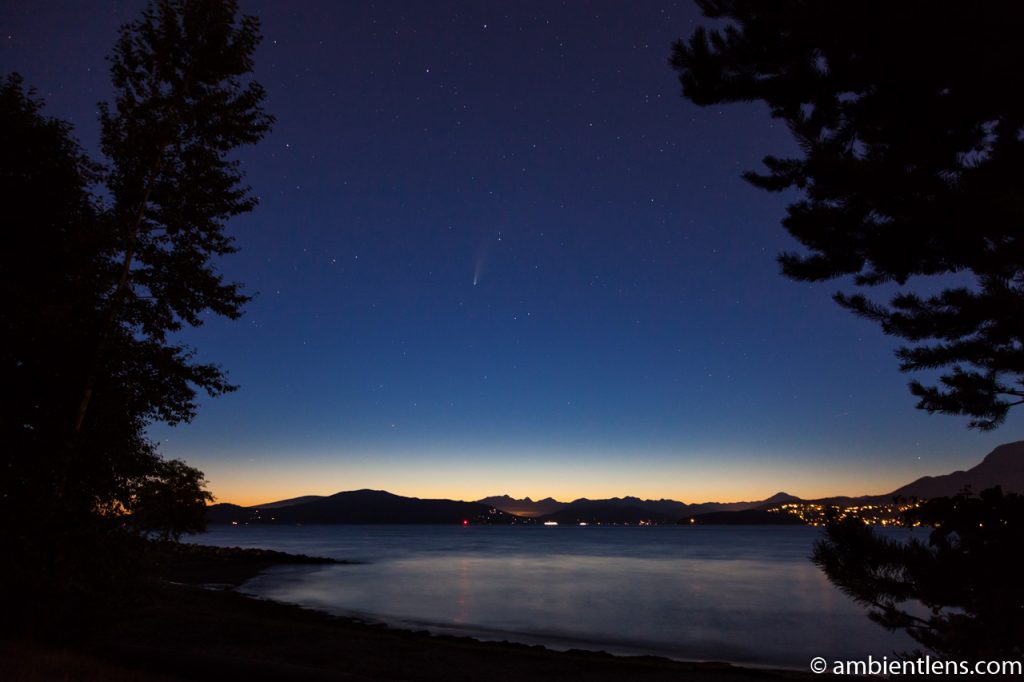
(740, 594)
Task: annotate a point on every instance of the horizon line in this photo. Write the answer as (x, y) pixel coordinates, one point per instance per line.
(540, 499)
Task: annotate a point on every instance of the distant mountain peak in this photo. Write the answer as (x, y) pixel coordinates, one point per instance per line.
(780, 497)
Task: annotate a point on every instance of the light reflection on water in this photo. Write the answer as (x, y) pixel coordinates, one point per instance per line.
(742, 594)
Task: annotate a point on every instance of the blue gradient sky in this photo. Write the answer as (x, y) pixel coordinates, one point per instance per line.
(628, 332)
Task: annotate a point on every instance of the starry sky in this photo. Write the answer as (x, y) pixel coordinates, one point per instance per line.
(497, 252)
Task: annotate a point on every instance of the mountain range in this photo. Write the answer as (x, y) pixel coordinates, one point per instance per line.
(524, 507)
(378, 506)
(621, 509)
(1003, 466)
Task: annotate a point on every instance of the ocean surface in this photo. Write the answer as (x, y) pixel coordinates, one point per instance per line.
(743, 594)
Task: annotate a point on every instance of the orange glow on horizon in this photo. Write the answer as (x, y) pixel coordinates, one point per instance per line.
(254, 496)
(686, 477)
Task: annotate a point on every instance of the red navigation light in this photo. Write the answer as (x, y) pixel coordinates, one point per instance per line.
(465, 522)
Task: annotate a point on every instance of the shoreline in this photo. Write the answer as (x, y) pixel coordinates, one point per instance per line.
(554, 643)
(185, 630)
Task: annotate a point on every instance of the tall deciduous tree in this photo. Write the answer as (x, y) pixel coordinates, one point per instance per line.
(910, 120)
(184, 104)
(105, 263)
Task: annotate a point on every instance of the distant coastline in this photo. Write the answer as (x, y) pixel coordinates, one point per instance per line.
(1004, 466)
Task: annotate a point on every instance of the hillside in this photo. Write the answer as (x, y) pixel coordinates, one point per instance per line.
(358, 507)
(1004, 466)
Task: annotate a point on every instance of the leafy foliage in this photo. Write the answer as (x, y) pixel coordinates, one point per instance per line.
(966, 576)
(909, 117)
(170, 501)
(105, 263)
(182, 106)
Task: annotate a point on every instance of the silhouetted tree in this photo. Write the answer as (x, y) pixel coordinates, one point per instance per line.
(55, 542)
(909, 117)
(104, 263)
(170, 501)
(183, 105)
(967, 575)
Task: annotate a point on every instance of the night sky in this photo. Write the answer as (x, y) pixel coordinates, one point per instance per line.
(497, 252)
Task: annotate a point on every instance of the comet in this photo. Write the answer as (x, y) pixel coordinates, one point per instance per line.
(478, 267)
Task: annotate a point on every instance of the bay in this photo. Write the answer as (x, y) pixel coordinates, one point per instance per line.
(743, 594)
